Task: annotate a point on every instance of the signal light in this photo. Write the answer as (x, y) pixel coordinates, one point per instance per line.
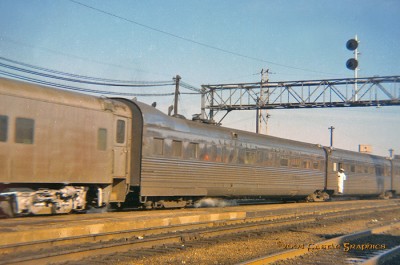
(352, 44)
(352, 64)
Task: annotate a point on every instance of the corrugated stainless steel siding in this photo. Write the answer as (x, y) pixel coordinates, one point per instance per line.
(358, 183)
(396, 175)
(167, 177)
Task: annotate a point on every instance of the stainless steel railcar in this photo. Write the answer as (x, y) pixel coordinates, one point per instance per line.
(62, 151)
(366, 174)
(187, 160)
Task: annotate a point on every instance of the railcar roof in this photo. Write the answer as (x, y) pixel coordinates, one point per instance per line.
(59, 96)
(155, 118)
(353, 155)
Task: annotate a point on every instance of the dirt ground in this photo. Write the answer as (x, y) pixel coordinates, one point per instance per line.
(242, 249)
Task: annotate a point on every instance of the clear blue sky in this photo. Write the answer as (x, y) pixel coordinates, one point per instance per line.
(155, 40)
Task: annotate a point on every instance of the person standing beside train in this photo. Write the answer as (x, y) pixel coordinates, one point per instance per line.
(341, 179)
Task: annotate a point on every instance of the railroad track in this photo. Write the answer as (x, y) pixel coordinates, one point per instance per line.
(374, 246)
(162, 240)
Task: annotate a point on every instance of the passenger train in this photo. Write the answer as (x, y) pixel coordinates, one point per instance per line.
(63, 151)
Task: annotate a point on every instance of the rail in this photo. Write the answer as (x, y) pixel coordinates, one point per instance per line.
(150, 240)
(371, 252)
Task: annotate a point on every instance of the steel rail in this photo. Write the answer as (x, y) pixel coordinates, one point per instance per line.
(384, 257)
(295, 253)
(178, 235)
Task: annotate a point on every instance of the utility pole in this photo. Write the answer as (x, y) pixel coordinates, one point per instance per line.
(356, 72)
(331, 129)
(176, 79)
(258, 117)
(261, 102)
(391, 152)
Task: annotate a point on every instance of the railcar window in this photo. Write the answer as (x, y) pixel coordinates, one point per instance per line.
(315, 165)
(120, 131)
(176, 148)
(158, 146)
(295, 162)
(284, 162)
(102, 139)
(228, 154)
(334, 167)
(3, 128)
(386, 171)
(219, 154)
(241, 156)
(260, 157)
(250, 157)
(225, 154)
(379, 171)
(306, 164)
(203, 152)
(193, 150)
(213, 153)
(371, 170)
(24, 130)
(234, 155)
(352, 168)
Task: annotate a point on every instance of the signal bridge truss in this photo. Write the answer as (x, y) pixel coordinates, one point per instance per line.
(328, 93)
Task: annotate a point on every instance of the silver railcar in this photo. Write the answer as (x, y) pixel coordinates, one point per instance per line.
(183, 159)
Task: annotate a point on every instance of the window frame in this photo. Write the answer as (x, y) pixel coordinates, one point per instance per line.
(120, 131)
(24, 130)
(284, 161)
(158, 146)
(4, 128)
(193, 150)
(176, 147)
(102, 134)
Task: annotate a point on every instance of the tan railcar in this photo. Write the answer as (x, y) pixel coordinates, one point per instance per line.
(52, 137)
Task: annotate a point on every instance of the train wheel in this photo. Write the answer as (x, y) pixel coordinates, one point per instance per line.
(148, 205)
(386, 195)
(318, 196)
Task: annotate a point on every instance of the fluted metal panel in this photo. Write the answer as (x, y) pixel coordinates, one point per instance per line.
(357, 182)
(170, 177)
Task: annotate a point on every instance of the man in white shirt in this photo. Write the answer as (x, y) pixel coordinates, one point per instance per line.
(341, 179)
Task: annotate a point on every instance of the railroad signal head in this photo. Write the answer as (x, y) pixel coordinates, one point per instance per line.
(352, 64)
(352, 44)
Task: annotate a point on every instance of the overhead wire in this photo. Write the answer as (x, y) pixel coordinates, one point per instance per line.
(80, 89)
(190, 87)
(82, 80)
(194, 41)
